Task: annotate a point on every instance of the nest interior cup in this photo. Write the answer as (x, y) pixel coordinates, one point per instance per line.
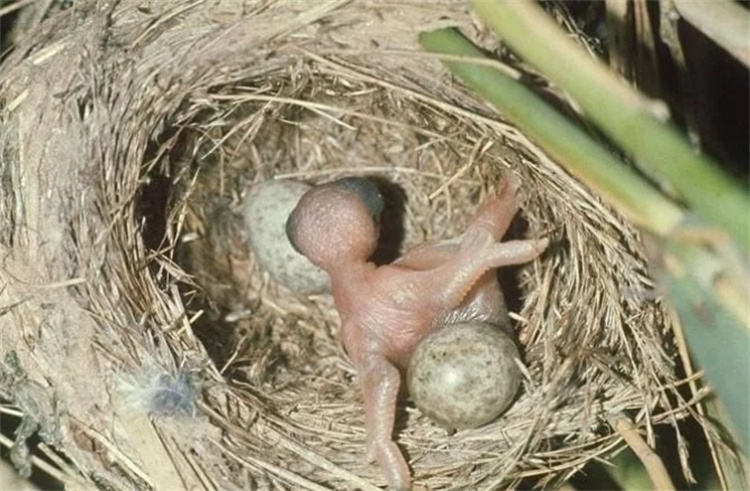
(132, 137)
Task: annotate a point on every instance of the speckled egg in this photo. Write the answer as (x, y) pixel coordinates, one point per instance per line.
(464, 374)
(266, 210)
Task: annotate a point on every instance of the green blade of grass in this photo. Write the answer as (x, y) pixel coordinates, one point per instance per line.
(563, 140)
(623, 114)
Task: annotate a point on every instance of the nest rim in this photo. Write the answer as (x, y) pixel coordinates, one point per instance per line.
(288, 84)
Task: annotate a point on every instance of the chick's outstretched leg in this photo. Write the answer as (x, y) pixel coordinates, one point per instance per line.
(380, 384)
(477, 254)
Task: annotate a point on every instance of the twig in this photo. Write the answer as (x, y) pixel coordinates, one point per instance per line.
(15, 6)
(479, 148)
(651, 461)
(50, 470)
(682, 349)
(117, 454)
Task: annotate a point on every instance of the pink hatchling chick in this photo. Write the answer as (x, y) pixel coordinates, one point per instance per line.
(387, 311)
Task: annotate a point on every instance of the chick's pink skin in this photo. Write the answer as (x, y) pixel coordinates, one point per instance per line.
(387, 311)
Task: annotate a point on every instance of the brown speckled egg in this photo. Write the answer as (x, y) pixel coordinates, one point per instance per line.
(464, 375)
(266, 210)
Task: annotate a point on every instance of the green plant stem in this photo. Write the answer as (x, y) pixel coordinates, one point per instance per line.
(563, 140)
(623, 114)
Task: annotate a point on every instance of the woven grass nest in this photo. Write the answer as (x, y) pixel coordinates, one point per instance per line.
(131, 135)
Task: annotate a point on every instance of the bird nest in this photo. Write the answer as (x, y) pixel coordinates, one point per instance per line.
(131, 135)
